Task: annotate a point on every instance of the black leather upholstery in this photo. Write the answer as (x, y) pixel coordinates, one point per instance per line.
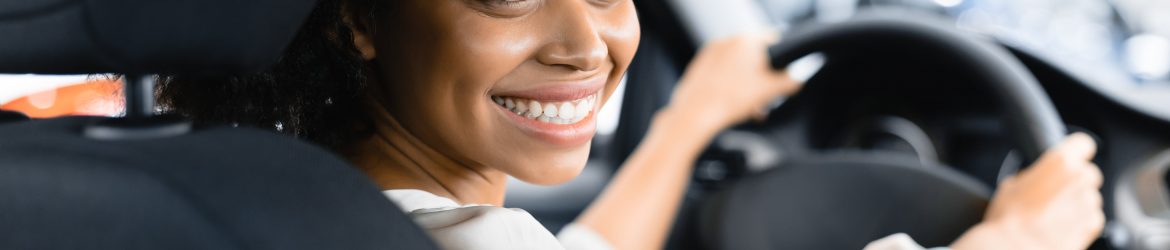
(144, 37)
(216, 188)
(11, 116)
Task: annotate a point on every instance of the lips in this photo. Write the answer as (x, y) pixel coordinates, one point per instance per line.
(559, 114)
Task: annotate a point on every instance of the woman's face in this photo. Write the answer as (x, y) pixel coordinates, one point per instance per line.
(512, 85)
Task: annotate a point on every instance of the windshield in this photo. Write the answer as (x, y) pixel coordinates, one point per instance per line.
(1120, 47)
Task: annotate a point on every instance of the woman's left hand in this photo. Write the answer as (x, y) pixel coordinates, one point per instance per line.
(728, 82)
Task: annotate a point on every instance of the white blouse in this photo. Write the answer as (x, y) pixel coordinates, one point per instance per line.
(455, 226)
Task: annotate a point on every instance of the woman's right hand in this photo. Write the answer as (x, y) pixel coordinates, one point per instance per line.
(1055, 204)
(729, 81)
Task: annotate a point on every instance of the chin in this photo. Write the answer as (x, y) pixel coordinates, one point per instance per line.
(553, 169)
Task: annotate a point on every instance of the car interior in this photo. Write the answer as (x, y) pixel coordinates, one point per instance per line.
(146, 181)
(914, 118)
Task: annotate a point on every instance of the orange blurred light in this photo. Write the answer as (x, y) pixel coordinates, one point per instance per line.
(90, 98)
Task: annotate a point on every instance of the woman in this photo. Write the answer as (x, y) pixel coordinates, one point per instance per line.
(438, 101)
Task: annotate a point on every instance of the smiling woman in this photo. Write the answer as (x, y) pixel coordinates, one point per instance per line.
(448, 97)
(439, 101)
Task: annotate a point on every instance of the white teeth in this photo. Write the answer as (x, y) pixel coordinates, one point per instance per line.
(534, 109)
(553, 112)
(567, 111)
(550, 110)
(582, 110)
(521, 107)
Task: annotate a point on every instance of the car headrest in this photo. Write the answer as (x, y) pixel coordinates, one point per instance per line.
(11, 116)
(216, 188)
(202, 37)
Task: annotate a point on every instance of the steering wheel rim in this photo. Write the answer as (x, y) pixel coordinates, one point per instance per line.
(731, 219)
(1029, 112)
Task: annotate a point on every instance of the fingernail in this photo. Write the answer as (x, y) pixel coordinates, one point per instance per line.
(806, 67)
(1081, 144)
(1081, 136)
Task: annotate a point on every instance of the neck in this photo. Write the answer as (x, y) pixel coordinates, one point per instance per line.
(395, 159)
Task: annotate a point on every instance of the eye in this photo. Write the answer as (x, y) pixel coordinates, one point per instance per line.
(509, 7)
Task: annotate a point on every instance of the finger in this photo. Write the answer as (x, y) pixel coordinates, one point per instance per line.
(1093, 176)
(1094, 200)
(1083, 234)
(1086, 223)
(804, 68)
(1079, 146)
(1073, 150)
(768, 36)
(1096, 223)
(782, 85)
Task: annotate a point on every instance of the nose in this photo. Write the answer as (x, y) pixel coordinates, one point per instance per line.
(575, 43)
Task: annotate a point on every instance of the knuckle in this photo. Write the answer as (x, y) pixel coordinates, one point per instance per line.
(1093, 175)
(1096, 221)
(1054, 159)
(1095, 200)
(1060, 157)
(732, 40)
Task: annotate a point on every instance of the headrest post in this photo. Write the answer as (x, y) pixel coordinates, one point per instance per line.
(140, 120)
(139, 94)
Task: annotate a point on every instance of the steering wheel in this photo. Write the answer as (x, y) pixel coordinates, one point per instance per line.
(844, 200)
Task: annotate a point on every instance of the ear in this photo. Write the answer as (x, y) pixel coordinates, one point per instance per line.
(361, 36)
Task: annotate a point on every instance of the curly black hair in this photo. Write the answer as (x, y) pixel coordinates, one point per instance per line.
(314, 91)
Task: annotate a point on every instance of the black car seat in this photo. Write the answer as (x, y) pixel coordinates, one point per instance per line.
(154, 182)
(11, 116)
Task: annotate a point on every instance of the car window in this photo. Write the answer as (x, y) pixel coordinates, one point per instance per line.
(1121, 48)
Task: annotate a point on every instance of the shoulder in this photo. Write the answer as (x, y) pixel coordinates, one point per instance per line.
(474, 226)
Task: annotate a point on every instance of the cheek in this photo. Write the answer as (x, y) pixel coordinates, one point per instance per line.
(477, 54)
(490, 50)
(622, 34)
(438, 66)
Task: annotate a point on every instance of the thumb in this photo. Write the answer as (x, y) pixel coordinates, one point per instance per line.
(1078, 147)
